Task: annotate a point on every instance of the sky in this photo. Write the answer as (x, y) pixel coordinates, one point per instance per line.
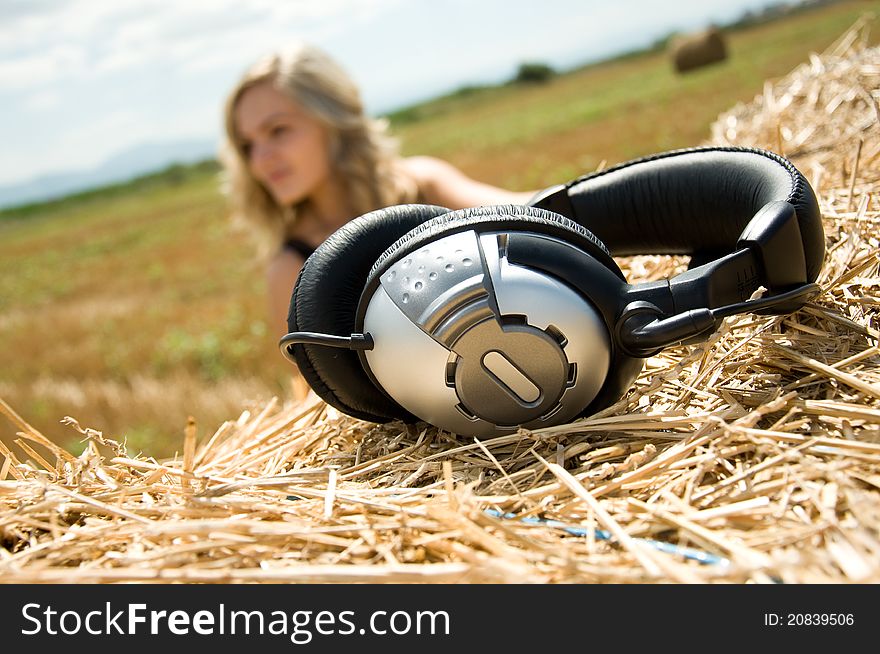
(81, 80)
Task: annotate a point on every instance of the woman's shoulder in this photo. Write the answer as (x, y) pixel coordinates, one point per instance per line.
(428, 170)
(442, 183)
(435, 178)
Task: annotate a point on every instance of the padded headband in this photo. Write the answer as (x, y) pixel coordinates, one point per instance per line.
(696, 201)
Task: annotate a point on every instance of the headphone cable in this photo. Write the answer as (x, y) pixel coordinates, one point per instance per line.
(353, 342)
(766, 302)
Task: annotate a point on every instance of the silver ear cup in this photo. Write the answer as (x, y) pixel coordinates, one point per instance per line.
(475, 345)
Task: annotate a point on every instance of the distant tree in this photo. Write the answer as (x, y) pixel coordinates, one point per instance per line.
(662, 43)
(533, 72)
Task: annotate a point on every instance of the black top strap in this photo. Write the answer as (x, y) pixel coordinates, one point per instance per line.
(300, 247)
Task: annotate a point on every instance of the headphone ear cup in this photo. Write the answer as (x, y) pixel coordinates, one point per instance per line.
(325, 300)
(401, 308)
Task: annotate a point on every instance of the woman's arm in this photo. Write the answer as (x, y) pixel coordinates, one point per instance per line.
(443, 184)
(281, 275)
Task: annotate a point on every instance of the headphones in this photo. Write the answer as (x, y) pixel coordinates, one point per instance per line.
(485, 320)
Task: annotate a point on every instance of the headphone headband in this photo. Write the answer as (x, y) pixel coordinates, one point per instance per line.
(740, 213)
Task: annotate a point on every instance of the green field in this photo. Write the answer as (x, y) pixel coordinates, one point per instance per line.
(134, 307)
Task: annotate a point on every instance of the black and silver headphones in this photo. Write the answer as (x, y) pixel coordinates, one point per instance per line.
(484, 320)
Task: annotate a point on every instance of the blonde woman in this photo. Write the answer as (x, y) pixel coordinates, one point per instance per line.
(301, 159)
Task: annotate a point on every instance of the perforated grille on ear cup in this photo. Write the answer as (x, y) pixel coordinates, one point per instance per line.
(495, 218)
(325, 300)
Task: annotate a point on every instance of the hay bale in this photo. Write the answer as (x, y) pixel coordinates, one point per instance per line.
(698, 49)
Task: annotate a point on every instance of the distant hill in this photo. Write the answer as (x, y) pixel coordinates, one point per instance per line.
(128, 164)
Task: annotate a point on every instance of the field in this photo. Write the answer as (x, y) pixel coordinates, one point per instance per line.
(133, 308)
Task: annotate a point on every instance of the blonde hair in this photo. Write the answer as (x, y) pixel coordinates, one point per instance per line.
(363, 155)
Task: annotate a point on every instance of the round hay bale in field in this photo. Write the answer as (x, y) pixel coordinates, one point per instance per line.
(698, 49)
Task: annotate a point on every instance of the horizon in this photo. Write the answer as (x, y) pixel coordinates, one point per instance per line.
(76, 105)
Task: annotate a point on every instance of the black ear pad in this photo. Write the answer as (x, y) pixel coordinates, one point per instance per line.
(325, 300)
(491, 219)
(695, 201)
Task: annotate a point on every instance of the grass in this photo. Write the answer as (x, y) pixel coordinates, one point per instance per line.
(529, 137)
(133, 307)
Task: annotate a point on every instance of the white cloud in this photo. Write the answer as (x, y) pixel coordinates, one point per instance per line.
(47, 23)
(41, 68)
(88, 38)
(42, 101)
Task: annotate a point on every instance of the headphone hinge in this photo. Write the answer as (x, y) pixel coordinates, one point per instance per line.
(774, 236)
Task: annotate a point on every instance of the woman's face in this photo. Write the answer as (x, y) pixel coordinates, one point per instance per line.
(287, 150)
